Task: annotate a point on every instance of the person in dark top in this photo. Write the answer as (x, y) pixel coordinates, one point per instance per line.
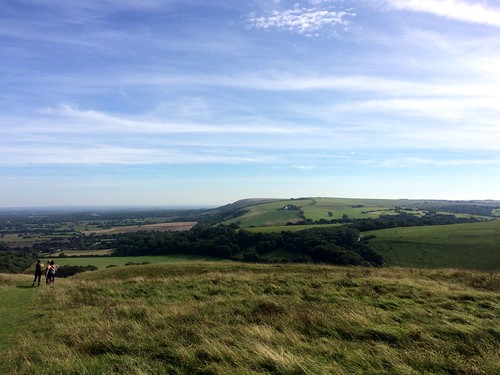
(38, 272)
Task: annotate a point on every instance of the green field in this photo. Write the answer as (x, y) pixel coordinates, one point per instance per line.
(290, 228)
(77, 253)
(15, 297)
(232, 318)
(102, 262)
(269, 214)
(473, 246)
(353, 208)
(315, 209)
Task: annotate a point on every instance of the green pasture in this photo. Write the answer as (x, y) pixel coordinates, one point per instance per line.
(78, 253)
(472, 245)
(288, 228)
(102, 262)
(269, 214)
(338, 207)
(272, 214)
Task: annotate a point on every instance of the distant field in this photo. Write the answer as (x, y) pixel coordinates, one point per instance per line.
(315, 209)
(473, 246)
(353, 208)
(78, 253)
(289, 228)
(269, 214)
(103, 262)
(160, 227)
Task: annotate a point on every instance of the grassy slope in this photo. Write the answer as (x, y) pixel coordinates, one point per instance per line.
(268, 214)
(103, 262)
(231, 318)
(15, 300)
(475, 246)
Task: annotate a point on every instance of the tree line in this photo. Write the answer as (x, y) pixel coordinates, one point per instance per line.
(332, 245)
(401, 219)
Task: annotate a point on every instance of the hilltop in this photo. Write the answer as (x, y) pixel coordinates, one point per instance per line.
(255, 212)
(234, 318)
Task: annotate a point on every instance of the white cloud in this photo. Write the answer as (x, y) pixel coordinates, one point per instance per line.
(303, 167)
(476, 12)
(307, 22)
(411, 161)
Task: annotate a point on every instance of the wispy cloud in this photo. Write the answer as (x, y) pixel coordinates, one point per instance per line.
(476, 12)
(438, 161)
(309, 22)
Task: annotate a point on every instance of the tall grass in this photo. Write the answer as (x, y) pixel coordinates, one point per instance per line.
(231, 318)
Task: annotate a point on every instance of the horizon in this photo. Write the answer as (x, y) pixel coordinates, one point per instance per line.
(196, 103)
(208, 207)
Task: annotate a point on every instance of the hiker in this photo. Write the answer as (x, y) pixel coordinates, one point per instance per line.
(47, 271)
(51, 272)
(38, 272)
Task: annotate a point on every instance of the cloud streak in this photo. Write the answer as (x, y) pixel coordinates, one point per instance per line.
(453, 9)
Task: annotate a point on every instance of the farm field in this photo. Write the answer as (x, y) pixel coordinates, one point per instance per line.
(160, 227)
(82, 253)
(291, 228)
(316, 209)
(234, 318)
(472, 245)
(353, 208)
(269, 214)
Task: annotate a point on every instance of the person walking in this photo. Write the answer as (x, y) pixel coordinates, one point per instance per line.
(38, 272)
(51, 272)
(47, 272)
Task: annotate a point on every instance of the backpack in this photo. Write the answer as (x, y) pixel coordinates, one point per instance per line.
(52, 271)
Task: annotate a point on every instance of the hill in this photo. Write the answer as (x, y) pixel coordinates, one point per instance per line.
(471, 245)
(322, 210)
(234, 318)
(102, 232)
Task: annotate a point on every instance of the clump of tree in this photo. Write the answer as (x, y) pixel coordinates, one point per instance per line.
(333, 245)
(402, 219)
(16, 261)
(67, 271)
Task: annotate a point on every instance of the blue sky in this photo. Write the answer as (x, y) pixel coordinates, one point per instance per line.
(199, 102)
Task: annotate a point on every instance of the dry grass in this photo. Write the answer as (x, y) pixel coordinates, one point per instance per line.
(230, 318)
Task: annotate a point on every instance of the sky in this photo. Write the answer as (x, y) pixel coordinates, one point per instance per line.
(204, 102)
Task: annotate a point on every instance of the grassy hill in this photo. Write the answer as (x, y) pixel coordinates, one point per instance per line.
(255, 213)
(233, 318)
(472, 245)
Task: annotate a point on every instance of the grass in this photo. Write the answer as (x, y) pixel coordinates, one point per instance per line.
(15, 295)
(271, 214)
(288, 228)
(353, 208)
(103, 262)
(78, 253)
(473, 245)
(232, 318)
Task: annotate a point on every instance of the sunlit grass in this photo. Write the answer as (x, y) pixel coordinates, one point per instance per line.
(232, 318)
(471, 245)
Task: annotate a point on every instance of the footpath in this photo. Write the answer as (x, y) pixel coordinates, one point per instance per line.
(15, 300)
